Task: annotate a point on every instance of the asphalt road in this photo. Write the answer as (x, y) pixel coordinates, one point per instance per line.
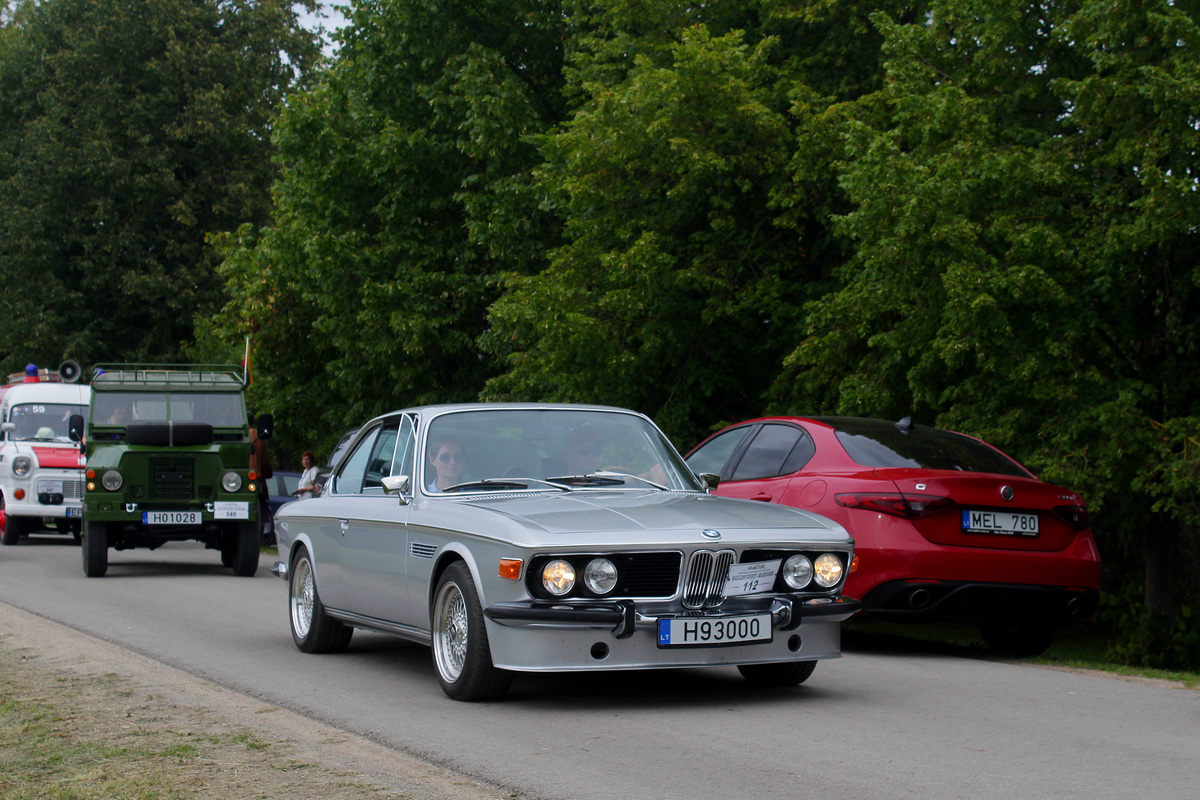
(876, 723)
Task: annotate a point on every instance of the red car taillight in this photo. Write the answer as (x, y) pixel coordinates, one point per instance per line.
(909, 506)
(1077, 516)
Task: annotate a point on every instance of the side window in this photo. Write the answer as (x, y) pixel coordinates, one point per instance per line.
(379, 465)
(353, 470)
(406, 443)
(767, 453)
(714, 454)
(801, 453)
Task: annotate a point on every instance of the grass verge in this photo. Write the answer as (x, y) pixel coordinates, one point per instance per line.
(67, 736)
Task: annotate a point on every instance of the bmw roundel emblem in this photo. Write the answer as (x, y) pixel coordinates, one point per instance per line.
(1007, 493)
(710, 534)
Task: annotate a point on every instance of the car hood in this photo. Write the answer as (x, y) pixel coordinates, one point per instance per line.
(635, 513)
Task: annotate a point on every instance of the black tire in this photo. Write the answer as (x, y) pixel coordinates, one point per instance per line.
(1017, 640)
(94, 548)
(313, 630)
(787, 673)
(246, 550)
(461, 654)
(14, 529)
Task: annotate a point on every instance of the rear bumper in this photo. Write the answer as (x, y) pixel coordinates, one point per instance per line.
(975, 602)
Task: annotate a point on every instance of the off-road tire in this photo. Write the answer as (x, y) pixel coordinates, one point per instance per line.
(14, 529)
(461, 654)
(787, 673)
(245, 553)
(94, 549)
(313, 630)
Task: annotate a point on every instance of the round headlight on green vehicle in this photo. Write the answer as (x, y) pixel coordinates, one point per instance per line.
(231, 481)
(112, 480)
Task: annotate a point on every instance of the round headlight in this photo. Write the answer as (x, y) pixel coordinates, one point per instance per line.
(231, 481)
(21, 466)
(828, 569)
(600, 575)
(797, 571)
(558, 577)
(112, 480)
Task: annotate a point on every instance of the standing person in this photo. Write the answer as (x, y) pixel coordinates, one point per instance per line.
(260, 462)
(308, 478)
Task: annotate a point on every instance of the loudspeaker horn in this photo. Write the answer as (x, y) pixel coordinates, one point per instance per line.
(69, 371)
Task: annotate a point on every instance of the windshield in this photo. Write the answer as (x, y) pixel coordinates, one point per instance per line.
(44, 422)
(219, 409)
(550, 449)
(875, 443)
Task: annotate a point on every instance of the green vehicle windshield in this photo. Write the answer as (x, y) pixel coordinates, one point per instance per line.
(219, 409)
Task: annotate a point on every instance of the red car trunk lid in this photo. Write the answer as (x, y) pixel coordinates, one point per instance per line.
(993, 499)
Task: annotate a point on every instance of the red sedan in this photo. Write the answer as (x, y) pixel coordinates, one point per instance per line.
(946, 526)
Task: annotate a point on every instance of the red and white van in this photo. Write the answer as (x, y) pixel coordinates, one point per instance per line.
(41, 469)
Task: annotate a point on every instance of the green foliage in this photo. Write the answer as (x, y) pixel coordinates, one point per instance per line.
(128, 131)
(406, 190)
(1024, 227)
(1140, 639)
(688, 252)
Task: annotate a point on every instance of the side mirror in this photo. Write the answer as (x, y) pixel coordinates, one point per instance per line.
(8, 427)
(398, 485)
(266, 426)
(75, 427)
(710, 480)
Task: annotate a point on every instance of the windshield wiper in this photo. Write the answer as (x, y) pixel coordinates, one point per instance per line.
(500, 485)
(604, 479)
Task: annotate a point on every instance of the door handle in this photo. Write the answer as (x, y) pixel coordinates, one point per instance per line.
(345, 523)
(762, 496)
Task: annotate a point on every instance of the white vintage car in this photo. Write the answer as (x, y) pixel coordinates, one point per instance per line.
(536, 538)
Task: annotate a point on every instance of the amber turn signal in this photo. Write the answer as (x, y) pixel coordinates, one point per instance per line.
(510, 568)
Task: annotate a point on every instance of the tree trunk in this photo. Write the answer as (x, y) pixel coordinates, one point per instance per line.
(1160, 545)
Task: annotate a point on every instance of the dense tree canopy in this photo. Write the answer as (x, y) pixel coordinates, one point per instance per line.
(406, 190)
(129, 130)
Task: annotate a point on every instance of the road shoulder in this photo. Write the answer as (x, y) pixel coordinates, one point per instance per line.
(115, 686)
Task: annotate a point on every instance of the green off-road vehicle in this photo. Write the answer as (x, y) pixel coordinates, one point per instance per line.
(168, 459)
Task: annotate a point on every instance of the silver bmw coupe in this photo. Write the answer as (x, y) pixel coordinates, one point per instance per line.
(541, 538)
